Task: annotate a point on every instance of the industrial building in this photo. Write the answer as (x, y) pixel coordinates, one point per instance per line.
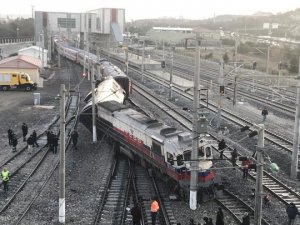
(101, 26)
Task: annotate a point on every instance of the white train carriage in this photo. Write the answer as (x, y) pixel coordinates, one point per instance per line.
(165, 148)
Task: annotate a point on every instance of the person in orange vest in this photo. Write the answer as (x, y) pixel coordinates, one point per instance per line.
(154, 209)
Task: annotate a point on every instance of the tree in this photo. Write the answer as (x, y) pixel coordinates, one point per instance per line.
(225, 58)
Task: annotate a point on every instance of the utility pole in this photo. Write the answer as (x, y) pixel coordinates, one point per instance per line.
(62, 155)
(143, 60)
(43, 46)
(235, 90)
(259, 175)
(32, 16)
(58, 53)
(171, 73)
(126, 58)
(294, 166)
(222, 92)
(236, 51)
(93, 106)
(88, 50)
(163, 49)
(269, 46)
(194, 156)
(98, 59)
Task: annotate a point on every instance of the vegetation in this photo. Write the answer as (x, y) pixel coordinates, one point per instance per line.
(13, 28)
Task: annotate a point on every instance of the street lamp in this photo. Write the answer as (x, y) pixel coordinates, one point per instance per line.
(17, 33)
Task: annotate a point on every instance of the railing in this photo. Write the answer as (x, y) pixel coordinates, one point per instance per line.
(14, 40)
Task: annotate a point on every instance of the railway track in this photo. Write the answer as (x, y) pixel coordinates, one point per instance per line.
(274, 138)
(146, 187)
(112, 208)
(30, 178)
(283, 192)
(236, 206)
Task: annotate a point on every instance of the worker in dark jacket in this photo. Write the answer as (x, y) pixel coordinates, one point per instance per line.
(220, 217)
(10, 135)
(30, 144)
(24, 131)
(136, 214)
(292, 212)
(14, 143)
(48, 134)
(264, 114)
(246, 219)
(34, 137)
(221, 147)
(55, 143)
(74, 137)
(234, 156)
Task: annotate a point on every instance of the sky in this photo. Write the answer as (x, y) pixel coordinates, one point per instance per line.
(140, 9)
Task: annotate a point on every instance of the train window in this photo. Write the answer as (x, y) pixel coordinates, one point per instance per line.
(201, 152)
(187, 155)
(170, 158)
(208, 152)
(156, 148)
(179, 159)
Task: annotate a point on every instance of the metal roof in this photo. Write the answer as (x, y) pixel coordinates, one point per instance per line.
(21, 61)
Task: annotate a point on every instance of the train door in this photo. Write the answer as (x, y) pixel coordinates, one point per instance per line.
(156, 148)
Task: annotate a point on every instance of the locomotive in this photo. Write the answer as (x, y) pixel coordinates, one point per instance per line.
(106, 68)
(164, 149)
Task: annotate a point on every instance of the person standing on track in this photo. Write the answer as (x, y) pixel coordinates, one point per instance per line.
(74, 137)
(34, 137)
(292, 212)
(221, 146)
(14, 143)
(220, 217)
(30, 144)
(234, 156)
(246, 219)
(264, 114)
(55, 143)
(154, 207)
(10, 134)
(5, 177)
(136, 214)
(245, 167)
(24, 131)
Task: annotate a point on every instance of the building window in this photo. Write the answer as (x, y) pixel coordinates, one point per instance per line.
(98, 23)
(66, 23)
(90, 23)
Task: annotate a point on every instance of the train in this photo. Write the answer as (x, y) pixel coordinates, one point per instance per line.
(88, 59)
(162, 148)
(155, 145)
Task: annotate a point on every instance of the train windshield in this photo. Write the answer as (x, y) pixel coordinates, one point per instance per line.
(208, 151)
(201, 152)
(187, 155)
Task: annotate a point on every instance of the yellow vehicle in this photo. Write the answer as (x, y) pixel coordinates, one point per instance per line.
(16, 80)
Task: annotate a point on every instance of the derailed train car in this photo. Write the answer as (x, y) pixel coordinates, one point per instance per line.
(163, 148)
(88, 59)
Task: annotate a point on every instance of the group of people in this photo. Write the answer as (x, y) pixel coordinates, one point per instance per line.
(137, 213)
(31, 140)
(12, 139)
(52, 141)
